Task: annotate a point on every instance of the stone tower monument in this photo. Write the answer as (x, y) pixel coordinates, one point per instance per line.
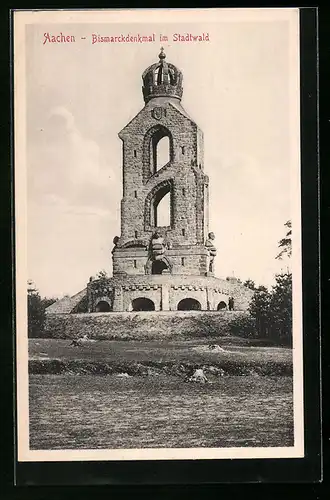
(145, 246)
(163, 263)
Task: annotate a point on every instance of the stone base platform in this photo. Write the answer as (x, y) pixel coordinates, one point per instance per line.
(155, 293)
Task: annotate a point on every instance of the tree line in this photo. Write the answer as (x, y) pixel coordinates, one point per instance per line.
(271, 310)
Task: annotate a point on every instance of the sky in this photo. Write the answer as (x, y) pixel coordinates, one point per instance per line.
(79, 95)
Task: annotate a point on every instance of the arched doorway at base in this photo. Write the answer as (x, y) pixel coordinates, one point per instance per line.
(189, 305)
(142, 304)
(221, 306)
(103, 306)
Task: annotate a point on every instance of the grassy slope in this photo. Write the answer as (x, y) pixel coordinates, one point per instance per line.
(142, 325)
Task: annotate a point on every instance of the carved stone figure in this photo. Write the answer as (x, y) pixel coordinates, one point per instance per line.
(157, 246)
(209, 243)
(115, 242)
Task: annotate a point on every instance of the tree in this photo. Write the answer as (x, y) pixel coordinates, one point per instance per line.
(272, 310)
(102, 274)
(281, 303)
(259, 309)
(285, 244)
(47, 301)
(36, 310)
(36, 313)
(250, 284)
(281, 308)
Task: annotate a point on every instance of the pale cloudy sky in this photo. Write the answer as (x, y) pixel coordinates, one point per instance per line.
(79, 96)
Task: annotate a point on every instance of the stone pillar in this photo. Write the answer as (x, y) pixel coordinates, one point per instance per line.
(118, 299)
(208, 305)
(165, 302)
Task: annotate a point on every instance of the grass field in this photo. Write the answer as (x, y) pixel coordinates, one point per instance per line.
(90, 411)
(79, 397)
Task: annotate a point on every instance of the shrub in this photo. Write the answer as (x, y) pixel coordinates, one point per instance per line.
(37, 311)
(243, 326)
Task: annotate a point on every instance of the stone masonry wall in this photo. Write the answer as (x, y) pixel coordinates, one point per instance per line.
(185, 260)
(183, 177)
(167, 290)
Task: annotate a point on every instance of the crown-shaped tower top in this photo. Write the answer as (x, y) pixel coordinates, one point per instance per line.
(162, 79)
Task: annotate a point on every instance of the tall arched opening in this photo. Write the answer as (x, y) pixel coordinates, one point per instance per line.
(157, 149)
(142, 304)
(162, 211)
(160, 149)
(161, 152)
(221, 306)
(189, 305)
(159, 206)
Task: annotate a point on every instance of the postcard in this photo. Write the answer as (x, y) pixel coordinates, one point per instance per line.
(158, 234)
